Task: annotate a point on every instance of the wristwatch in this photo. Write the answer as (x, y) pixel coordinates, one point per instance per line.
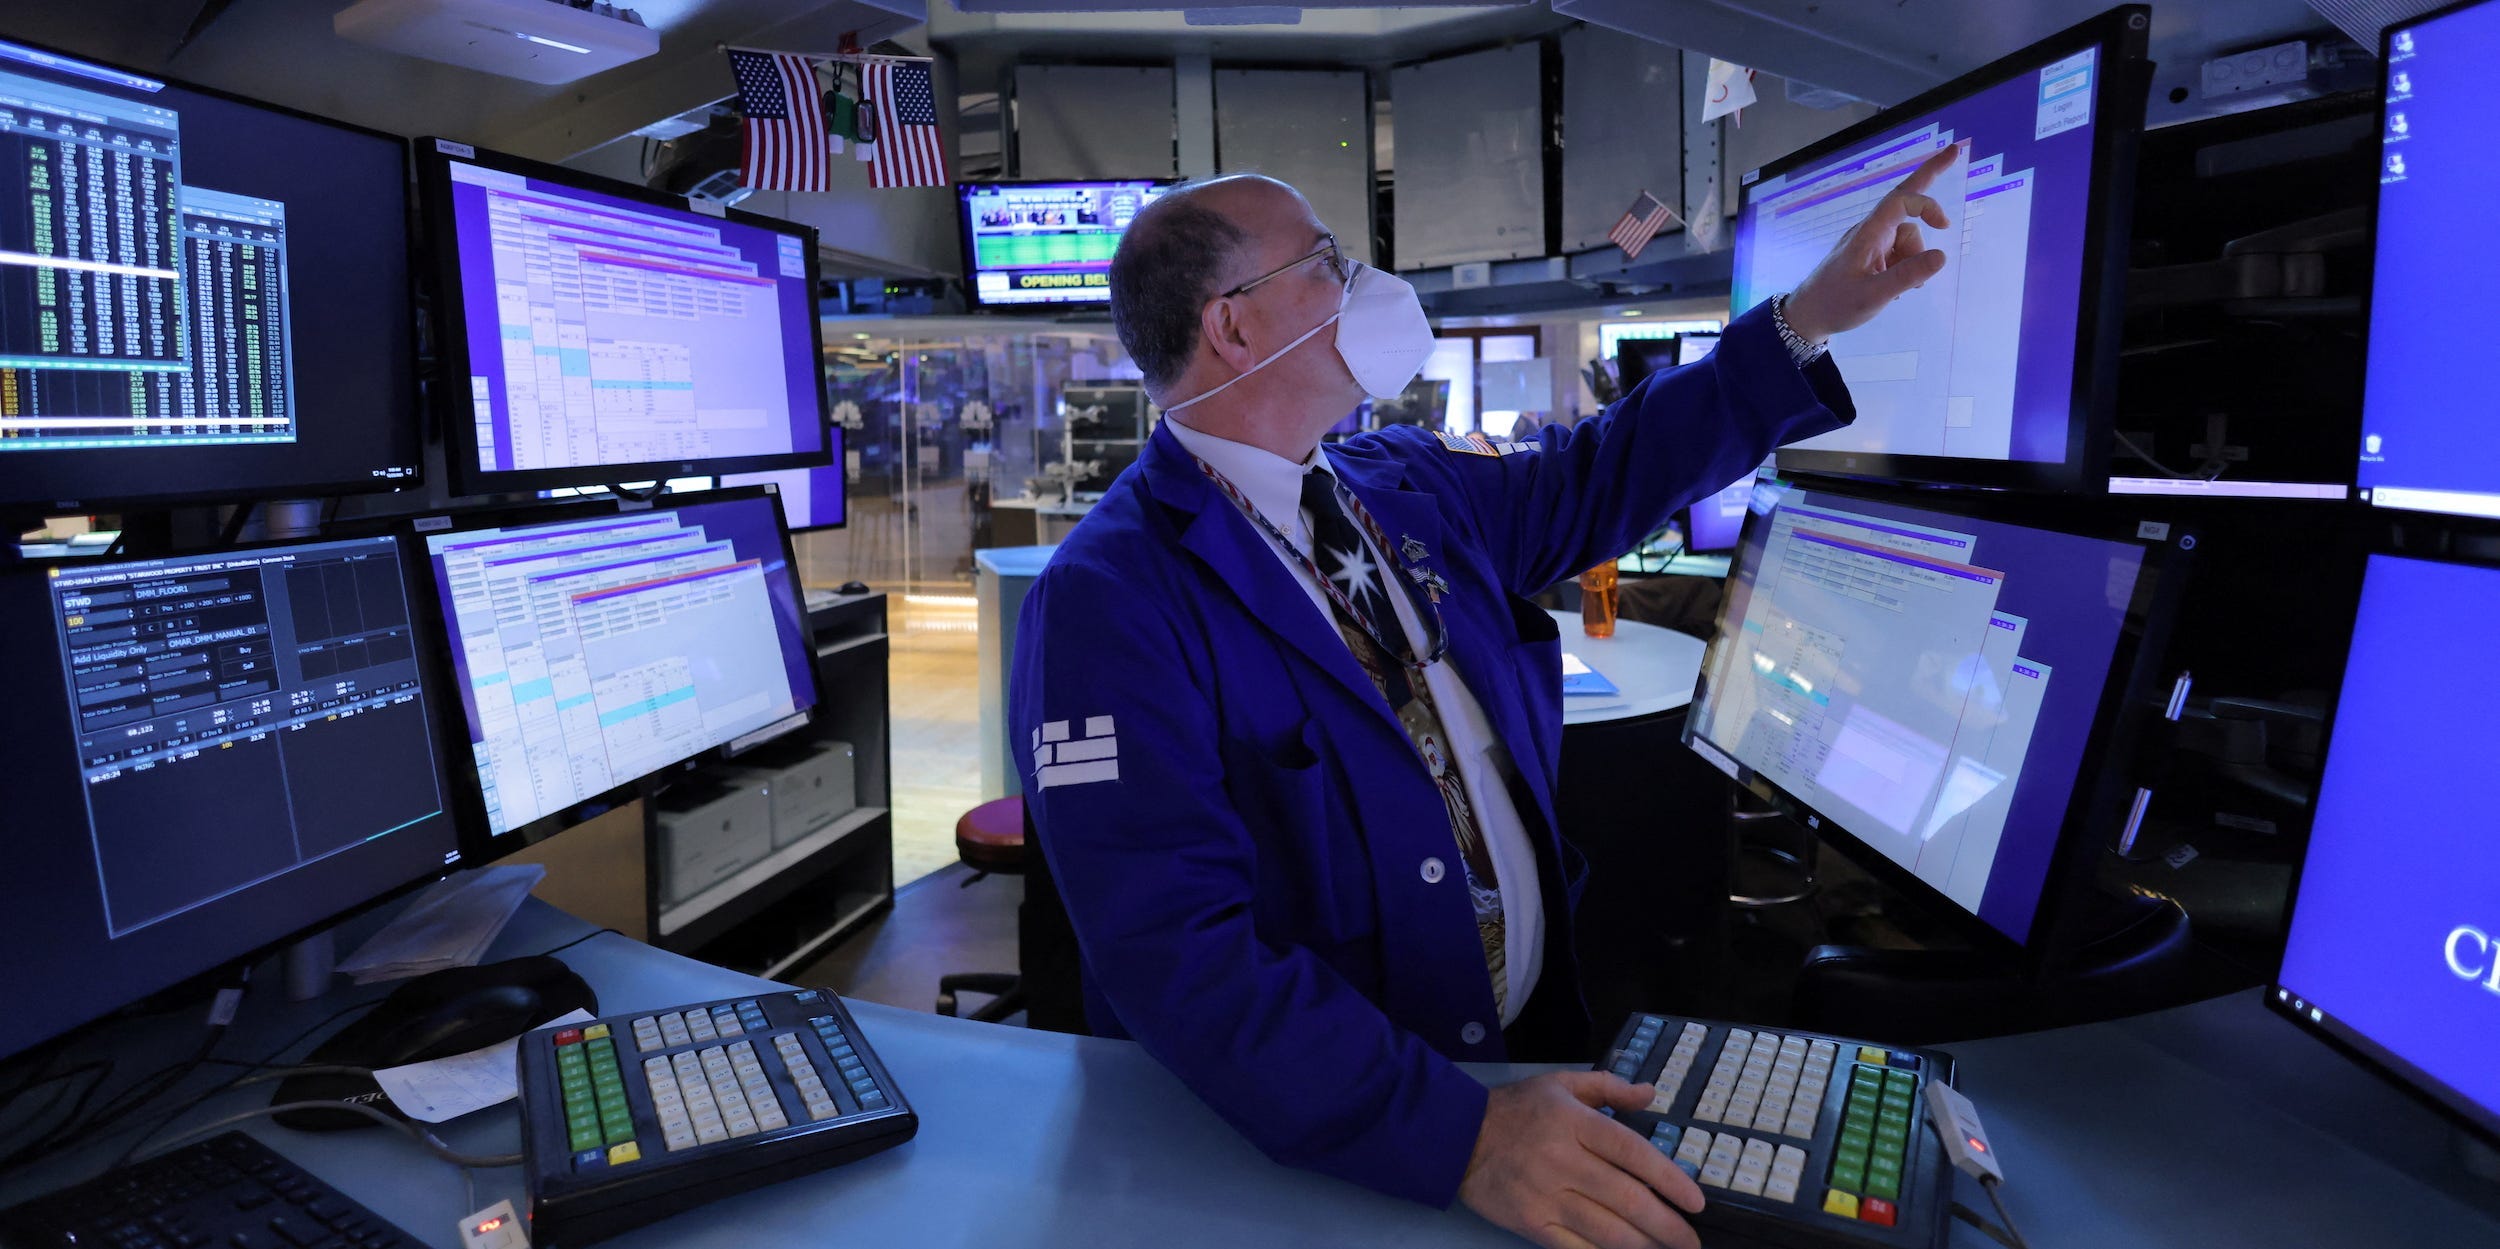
(1803, 352)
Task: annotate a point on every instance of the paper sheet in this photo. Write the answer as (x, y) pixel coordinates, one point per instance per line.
(447, 1088)
(1572, 665)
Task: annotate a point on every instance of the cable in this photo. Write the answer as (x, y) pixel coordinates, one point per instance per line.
(424, 1138)
(2014, 1234)
(268, 1061)
(2210, 471)
(574, 942)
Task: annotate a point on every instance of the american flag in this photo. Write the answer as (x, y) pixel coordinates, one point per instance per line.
(1648, 216)
(786, 140)
(907, 151)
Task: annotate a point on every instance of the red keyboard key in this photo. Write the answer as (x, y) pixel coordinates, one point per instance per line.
(569, 1036)
(1875, 1210)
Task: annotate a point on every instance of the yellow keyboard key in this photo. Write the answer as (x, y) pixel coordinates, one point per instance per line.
(594, 1032)
(619, 1155)
(1834, 1202)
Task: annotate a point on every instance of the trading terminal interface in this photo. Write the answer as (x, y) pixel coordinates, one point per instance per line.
(219, 750)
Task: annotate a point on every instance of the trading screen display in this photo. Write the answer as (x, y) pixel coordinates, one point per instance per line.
(2394, 944)
(607, 331)
(594, 652)
(2427, 441)
(1927, 682)
(811, 498)
(1713, 521)
(1980, 362)
(1048, 242)
(194, 289)
(217, 750)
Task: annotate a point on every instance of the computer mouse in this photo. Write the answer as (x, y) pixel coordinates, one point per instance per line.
(473, 1020)
(851, 587)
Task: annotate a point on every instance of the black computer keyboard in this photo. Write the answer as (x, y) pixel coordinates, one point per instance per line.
(635, 1117)
(229, 1192)
(1798, 1139)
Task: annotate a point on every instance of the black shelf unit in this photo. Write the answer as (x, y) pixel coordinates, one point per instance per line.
(783, 912)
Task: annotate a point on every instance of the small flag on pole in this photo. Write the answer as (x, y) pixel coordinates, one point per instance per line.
(907, 149)
(1648, 216)
(787, 145)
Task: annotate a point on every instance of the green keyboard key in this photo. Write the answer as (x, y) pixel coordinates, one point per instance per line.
(586, 1138)
(618, 1134)
(1892, 1137)
(1855, 1139)
(1883, 1179)
(1849, 1179)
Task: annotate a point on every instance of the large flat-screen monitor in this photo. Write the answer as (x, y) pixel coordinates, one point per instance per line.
(2427, 440)
(597, 332)
(1637, 358)
(208, 754)
(811, 498)
(2394, 948)
(1944, 697)
(201, 297)
(2001, 371)
(1041, 243)
(593, 652)
(1713, 522)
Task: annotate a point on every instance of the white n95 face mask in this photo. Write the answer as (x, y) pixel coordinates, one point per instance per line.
(1382, 335)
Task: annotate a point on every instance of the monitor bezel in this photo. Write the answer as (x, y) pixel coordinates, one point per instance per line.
(840, 465)
(2363, 1050)
(429, 674)
(2118, 120)
(452, 402)
(480, 842)
(2126, 709)
(972, 271)
(408, 423)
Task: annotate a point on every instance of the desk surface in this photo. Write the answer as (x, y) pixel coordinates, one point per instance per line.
(2182, 1128)
(1014, 561)
(1653, 667)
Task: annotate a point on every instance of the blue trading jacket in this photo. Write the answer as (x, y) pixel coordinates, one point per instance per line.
(1235, 820)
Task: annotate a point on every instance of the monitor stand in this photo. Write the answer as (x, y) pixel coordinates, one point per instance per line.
(435, 1015)
(2125, 956)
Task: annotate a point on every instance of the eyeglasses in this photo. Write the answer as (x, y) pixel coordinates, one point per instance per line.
(1339, 268)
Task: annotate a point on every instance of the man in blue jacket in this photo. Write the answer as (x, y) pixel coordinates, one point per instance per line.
(1291, 726)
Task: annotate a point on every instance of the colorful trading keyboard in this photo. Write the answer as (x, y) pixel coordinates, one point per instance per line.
(1797, 1139)
(632, 1118)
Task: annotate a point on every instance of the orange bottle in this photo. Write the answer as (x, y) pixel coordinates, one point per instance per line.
(1597, 601)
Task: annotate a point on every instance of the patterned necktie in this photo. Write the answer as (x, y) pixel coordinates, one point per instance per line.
(1342, 557)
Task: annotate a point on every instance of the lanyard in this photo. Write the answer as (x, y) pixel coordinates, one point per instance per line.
(1404, 651)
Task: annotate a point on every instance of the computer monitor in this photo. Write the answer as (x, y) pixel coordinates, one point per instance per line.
(1637, 358)
(1425, 402)
(1029, 244)
(201, 296)
(209, 754)
(2425, 443)
(2394, 945)
(811, 498)
(1692, 347)
(594, 331)
(1943, 697)
(2002, 370)
(593, 652)
(1713, 522)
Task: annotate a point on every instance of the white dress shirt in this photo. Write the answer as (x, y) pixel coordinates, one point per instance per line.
(1273, 484)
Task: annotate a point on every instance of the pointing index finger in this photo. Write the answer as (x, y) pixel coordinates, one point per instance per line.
(1925, 175)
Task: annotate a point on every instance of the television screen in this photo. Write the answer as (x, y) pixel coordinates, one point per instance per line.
(1047, 242)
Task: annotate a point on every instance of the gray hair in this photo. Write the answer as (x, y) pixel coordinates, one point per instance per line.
(1163, 275)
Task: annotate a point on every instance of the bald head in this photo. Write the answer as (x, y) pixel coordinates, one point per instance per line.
(1178, 254)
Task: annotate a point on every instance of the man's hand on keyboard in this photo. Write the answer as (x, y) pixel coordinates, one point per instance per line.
(1552, 1169)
